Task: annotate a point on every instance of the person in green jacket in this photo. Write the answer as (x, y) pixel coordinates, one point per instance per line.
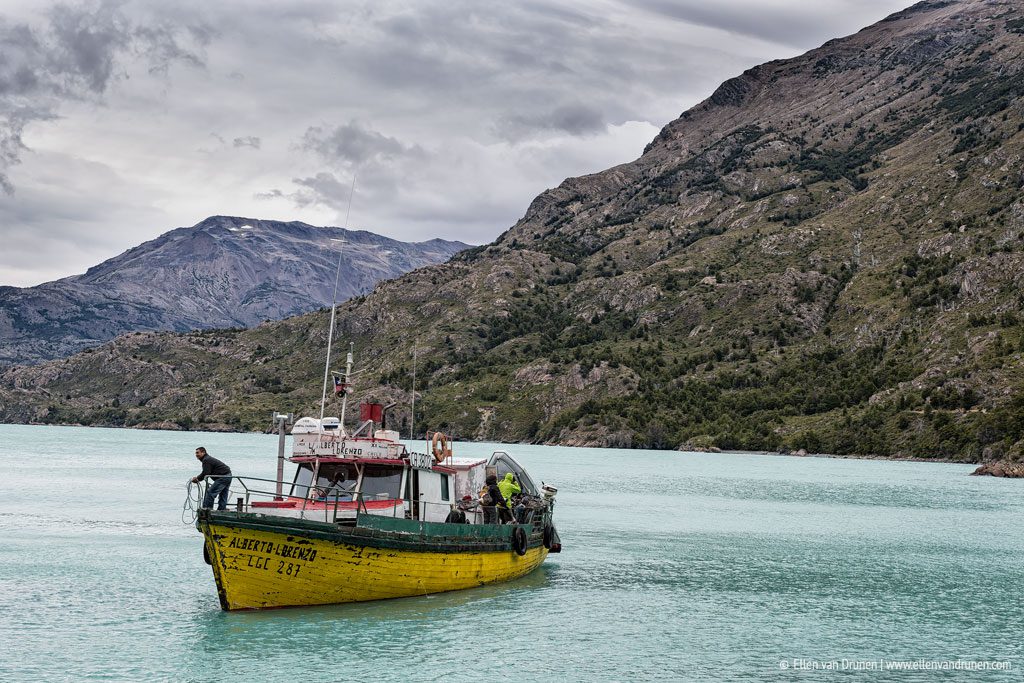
(509, 488)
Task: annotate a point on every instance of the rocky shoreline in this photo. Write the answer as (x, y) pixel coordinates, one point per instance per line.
(802, 453)
(998, 468)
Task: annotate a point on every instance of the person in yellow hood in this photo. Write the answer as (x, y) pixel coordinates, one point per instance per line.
(509, 488)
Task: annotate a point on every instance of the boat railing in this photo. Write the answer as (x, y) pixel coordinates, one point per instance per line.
(474, 511)
(258, 495)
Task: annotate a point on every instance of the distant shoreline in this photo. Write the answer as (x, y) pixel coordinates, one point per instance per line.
(152, 427)
(833, 456)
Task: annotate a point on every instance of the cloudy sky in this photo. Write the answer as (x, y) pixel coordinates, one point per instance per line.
(121, 120)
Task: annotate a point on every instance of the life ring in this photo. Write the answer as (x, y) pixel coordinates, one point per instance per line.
(549, 536)
(519, 540)
(439, 447)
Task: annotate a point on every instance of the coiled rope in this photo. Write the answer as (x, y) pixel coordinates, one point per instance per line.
(190, 508)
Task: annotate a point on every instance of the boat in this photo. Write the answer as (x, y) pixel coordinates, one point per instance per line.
(366, 518)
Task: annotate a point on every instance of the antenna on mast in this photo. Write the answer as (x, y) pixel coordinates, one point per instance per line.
(334, 308)
(348, 383)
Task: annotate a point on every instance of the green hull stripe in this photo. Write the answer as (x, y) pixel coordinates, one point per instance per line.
(395, 534)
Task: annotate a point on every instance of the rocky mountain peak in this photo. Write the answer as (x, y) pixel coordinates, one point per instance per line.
(225, 271)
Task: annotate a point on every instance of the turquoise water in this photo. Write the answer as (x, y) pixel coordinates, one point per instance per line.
(676, 566)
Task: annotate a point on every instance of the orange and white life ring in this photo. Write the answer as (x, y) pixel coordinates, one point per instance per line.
(439, 447)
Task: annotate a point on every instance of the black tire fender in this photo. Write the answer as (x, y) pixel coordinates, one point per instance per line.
(519, 540)
(206, 555)
(549, 536)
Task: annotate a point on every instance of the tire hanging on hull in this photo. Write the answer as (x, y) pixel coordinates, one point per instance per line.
(519, 542)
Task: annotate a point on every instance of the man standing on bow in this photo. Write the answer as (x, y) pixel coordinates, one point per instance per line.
(221, 476)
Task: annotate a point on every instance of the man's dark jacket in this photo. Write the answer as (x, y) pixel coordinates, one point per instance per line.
(495, 493)
(213, 467)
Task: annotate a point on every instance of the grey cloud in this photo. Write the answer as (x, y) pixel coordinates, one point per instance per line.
(514, 63)
(53, 232)
(574, 119)
(800, 25)
(20, 55)
(202, 34)
(382, 164)
(11, 147)
(385, 166)
(247, 141)
(12, 126)
(74, 56)
(321, 189)
(468, 48)
(85, 44)
(163, 47)
(353, 143)
(269, 194)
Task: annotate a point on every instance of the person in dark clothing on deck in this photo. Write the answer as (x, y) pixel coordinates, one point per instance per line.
(458, 512)
(497, 512)
(221, 476)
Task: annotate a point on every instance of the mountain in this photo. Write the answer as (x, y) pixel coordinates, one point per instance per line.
(826, 254)
(224, 272)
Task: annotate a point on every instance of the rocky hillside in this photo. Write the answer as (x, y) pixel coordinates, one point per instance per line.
(827, 253)
(223, 272)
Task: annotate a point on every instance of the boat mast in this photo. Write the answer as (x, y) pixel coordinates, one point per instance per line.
(330, 332)
(334, 307)
(412, 416)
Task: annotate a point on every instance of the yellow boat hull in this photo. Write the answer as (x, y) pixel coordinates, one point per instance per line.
(257, 566)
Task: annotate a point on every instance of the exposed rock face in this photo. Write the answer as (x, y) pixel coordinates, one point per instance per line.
(826, 255)
(223, 272)
(1001, 469)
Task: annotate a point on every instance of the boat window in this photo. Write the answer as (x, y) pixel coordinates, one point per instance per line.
(336, 481)
(333, 480)
(382, 483)
(503, 464)
(303, 478)
(444, 488)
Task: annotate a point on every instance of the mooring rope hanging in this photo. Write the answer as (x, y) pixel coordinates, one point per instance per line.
(191, 505)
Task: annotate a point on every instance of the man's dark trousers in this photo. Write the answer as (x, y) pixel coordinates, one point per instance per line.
(219, 487)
